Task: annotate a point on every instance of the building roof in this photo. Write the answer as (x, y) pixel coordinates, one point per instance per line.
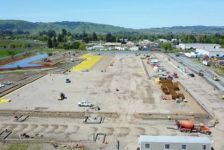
(174, 139)
(212, 49)
(199, 44)
(112, 44)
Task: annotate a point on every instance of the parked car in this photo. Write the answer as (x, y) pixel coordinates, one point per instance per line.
(200, 73)
(2, 85)
(191, 75)
(85, 104)
(216, 78)
(7, 83)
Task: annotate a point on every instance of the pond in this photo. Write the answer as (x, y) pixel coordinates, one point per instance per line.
(27, 62)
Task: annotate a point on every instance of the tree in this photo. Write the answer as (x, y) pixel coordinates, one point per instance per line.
(49, 43)
(12, 45)
(64, 32)
(94, 37)
(110, 38)
(82, 46)
(75, 45)
(166, 46)
(51, 33)
(60, 38)
(54, 42)
(12, 54)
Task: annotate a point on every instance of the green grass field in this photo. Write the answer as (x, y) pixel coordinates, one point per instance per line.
(4, 53)
(219, 71)
(25, 146)
(18, 147)
(14, 146)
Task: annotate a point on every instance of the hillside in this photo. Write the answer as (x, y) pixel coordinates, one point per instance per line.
(79, 27)
(73, 27)
(186, 29)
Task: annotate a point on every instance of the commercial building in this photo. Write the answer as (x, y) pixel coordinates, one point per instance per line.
(174, 143)
(210, 52)
(164, 40)
(134, 48)
(185, 46)
(96, 47)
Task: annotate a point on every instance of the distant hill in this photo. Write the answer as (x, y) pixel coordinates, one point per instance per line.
(186, 29)
(79, 27)
(73, 27)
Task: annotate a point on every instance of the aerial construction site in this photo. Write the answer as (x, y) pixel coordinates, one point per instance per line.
(107, 100)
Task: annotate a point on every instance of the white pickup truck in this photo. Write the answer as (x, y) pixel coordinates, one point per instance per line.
(85, 104)
(2, 85)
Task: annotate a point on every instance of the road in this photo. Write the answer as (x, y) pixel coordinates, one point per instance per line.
(194, 67)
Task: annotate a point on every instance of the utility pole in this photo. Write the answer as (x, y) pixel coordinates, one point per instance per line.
(118, 144)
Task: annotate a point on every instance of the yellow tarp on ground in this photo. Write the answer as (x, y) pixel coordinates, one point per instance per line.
(3, 100)
(88, 63)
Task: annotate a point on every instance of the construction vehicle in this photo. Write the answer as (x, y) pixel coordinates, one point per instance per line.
(62, 96)
(216, 78)
(191, 75)
(67, 81)
(189, 126)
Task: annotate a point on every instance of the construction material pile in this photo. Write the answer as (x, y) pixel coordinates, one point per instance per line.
(171, 90)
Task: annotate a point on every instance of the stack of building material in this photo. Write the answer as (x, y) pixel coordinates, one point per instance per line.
(171, 90)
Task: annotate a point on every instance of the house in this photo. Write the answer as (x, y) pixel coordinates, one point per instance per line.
(174, 143)
(185, 46)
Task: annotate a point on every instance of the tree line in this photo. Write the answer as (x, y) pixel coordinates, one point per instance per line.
(68, 40)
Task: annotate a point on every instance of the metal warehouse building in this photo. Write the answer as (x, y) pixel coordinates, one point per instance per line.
(199, 46)
(174, 143)
(210, 52)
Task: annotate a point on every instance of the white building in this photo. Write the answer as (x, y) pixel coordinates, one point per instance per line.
(211, 52)
(130, 44)
(134, 48)
(191, 54)
(174, 143)
(163, 40)
(96, 47)
(147, 44)
(185, 46)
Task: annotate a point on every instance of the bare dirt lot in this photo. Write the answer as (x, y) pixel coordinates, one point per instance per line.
(122, 87)
(118, 84)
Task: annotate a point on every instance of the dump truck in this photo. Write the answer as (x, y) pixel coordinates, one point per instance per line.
(189, 126)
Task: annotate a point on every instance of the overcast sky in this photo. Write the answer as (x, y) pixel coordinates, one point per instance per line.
(125, 13)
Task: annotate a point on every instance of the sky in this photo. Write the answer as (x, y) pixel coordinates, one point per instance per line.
(125, 13)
